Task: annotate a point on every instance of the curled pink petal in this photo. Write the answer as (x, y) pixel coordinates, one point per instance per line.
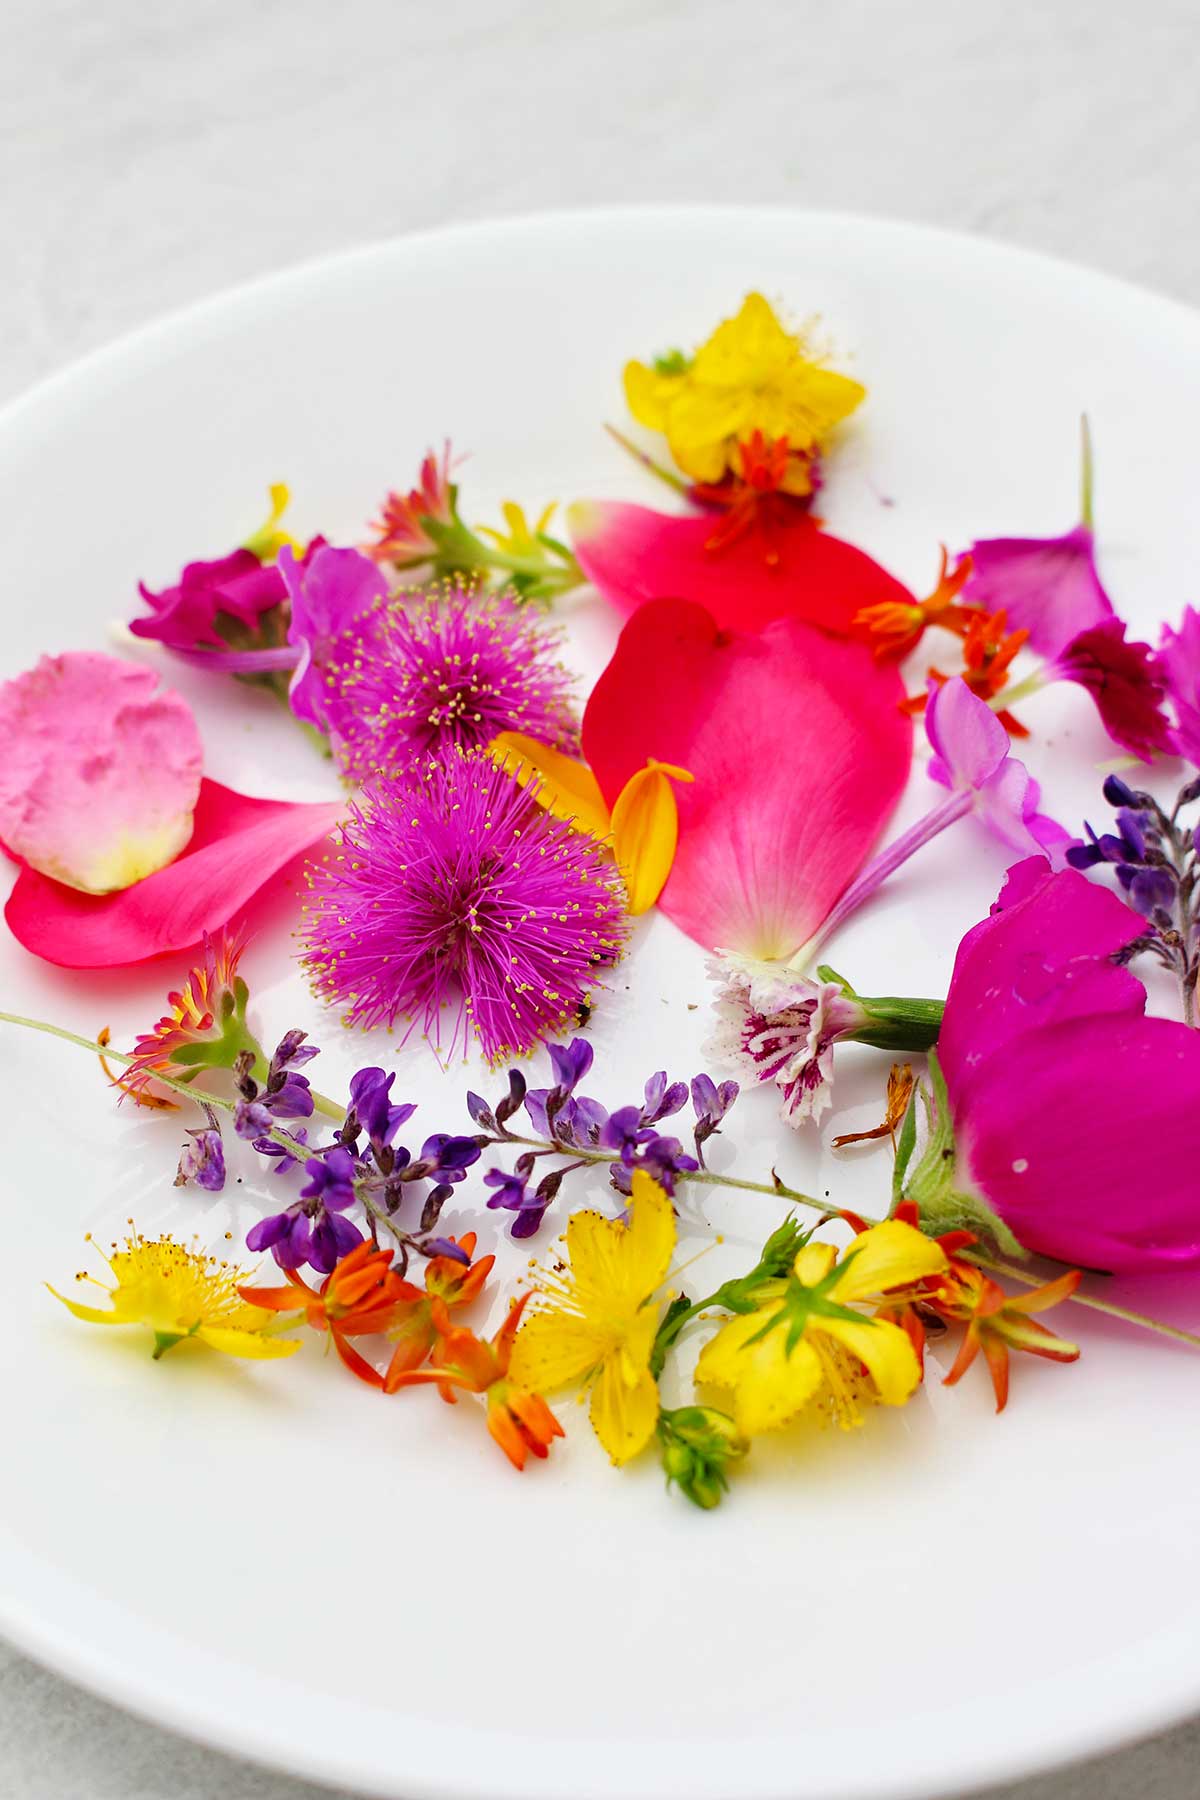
(632, 554)
(799, 753)
(99, 770)
(184, 617)
(972, 756)
(237, 845)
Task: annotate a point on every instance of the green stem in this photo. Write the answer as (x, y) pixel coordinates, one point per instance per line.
(1087, 471)
(1089, 1300)
(1033, 683)
(647, 461)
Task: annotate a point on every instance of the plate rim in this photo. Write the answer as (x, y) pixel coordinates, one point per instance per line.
(139, 1688)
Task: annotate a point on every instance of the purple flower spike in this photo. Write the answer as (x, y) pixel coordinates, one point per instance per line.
(370, 1096)
(331, 1179)
(526, 1223)
(287, 1235)
(332, 1238)
(203, 1160)
(510, 1190)
(570, 1063)
(448, 1158)
(440, 1246)
(623, 1132)
(660, 1100)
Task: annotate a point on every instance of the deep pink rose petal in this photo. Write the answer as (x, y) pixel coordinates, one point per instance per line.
(1043, 955)
(1045, 586)
(1082, 1137)
(631, 554)
(237, 845)
(99, 770)
(1126, 684)
(799, 753)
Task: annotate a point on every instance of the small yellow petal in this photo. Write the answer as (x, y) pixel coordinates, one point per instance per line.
(813, 1263)
(770, 1386)
(886, 1256)
(648, 394)
(886, 1351)
(92, 1315)
(645, 827)
(566, 787)
(553, 1349)
(623, 1414)
(250, 1344)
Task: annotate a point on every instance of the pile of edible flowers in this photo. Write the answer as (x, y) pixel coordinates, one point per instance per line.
(492, 840)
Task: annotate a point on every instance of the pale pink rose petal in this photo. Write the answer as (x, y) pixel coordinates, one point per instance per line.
(99, 770)
(238, 844)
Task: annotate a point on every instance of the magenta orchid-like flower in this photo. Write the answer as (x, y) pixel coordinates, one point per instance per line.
(330, 591)
(212, 604)
(1073, 1112)
(632, 554)
(1050, 588)
(798, 753)
(125, 850)
(1179, 660)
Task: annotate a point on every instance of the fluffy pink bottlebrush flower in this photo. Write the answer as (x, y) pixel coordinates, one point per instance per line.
(452, 888)
(1073, 1112)
(446, 668)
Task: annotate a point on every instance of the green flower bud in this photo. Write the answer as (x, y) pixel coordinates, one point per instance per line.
(697, 1444)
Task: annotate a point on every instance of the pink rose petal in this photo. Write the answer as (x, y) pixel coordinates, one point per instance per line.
(632, 554)
(799, 753)
(99, 771)
(237, 845)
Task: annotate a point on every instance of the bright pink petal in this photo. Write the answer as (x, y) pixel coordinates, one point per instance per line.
(99, 770)
(968, 741)
(1179, 660)
(1043, 955)
(1045, 586)
(632, 554)
(237, 845)
(330, 589)
(799, 753)
(1082, 1137)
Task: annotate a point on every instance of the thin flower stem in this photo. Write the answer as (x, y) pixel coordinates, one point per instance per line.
(1033, 683)
(1087, 473)
(701, 1177)
(647, 461)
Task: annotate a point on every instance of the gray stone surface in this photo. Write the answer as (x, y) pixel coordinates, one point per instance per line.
(154, 152)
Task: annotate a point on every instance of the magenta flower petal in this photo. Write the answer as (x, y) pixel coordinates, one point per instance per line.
(631, 554)
(1045, 586)
(799, 754)
(1082, 1137)
(184, 616)
(237, 844)
(99, 770)
(1041, 956)
(1179, 662)
(1126, 684)
(329, 591)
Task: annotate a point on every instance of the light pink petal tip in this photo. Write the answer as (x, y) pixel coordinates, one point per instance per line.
(99, 770)
(237, 845)
(799, 753)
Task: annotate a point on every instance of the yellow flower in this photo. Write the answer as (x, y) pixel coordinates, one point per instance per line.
(750, 376)
(179, 1293)
(804, 1345)
(596, 1321)
(644, 823)
(269, 540)
(521, 539)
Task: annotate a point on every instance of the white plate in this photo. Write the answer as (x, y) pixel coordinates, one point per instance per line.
(270, 1559)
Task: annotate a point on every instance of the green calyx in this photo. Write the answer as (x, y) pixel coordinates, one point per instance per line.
(932, 1183)
(228, 1039)
(698, 1443)
(891, 1021)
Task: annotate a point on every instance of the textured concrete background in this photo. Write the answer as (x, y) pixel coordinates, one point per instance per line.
(152, 153)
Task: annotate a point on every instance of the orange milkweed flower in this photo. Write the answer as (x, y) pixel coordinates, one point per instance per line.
(893, 627)
(360, 1296)
(412, 1327)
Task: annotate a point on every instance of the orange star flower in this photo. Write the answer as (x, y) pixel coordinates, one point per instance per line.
(519, 1420)
(988, 650)
(998, 1322)
(412, 1328)
(360, 1296)
(894, 627)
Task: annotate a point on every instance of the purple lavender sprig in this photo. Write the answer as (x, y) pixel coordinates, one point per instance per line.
(1155, 859)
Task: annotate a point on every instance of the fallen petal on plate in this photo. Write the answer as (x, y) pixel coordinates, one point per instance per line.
(798, 753)
(631, 554)
(99, 770)
(237, 844)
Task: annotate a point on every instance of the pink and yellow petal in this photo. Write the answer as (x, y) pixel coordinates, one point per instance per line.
(100, 771)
